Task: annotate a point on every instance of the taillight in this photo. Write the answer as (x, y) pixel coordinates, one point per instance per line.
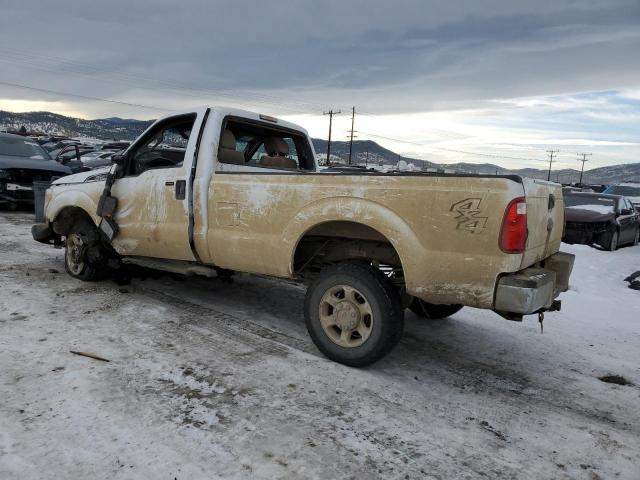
(513, 236)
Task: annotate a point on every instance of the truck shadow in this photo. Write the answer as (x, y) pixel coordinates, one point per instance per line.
(468, 345)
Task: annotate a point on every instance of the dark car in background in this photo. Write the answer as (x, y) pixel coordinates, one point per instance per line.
(602, 219)
(631, 190)
(22, 162)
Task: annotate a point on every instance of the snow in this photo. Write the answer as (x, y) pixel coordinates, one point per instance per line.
(215, 380)
(594, 208)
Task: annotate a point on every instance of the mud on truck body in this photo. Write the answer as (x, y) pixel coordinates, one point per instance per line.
(214, 191)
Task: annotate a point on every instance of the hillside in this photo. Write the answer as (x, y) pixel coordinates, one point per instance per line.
(52, 123)
(363, 150)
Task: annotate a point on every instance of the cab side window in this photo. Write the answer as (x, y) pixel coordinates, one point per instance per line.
(163, 147)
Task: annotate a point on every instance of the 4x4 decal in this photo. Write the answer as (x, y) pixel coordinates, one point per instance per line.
(468, 211)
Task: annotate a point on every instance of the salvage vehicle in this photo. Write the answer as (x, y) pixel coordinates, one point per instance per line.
(214, 191)
(22, 162)
(631, 190)
(607, 220)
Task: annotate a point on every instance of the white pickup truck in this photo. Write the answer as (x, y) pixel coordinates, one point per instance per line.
(214, 191)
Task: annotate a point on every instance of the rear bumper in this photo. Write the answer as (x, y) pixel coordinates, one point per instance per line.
(534, 289)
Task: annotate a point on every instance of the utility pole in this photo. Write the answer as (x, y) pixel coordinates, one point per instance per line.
(353, 114)
(331, 113)
(551, 154)
(583, 160)
(366, 159)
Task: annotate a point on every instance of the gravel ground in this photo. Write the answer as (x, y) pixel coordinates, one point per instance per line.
(214, 380)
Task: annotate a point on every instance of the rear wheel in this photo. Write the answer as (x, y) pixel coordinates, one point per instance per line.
(84, 256)
(432, 311)
(353, 314)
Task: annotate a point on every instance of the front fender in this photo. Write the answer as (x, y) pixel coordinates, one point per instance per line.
(72, 197)
(357, 210)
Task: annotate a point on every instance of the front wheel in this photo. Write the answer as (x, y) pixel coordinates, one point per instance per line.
(84, 257)
(612, 246)
(432, 311)
(636, 238)
(353, 313)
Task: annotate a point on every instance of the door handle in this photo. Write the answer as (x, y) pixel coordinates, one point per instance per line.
(169, 184)
(181, 189)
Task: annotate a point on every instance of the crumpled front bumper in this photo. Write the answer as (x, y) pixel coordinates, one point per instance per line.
(534, 289)
(43, 233)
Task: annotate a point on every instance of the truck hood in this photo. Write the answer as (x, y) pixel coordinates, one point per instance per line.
(24, 163)
(581, 215)
(81, 177)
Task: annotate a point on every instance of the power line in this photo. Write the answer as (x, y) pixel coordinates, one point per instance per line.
(454, 150)
(86, 97)
(353, 116)
(551, 154)
(583, 160)
(331, 113)
(39, 62)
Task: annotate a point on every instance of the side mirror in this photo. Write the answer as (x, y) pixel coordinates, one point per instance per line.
(626, 211)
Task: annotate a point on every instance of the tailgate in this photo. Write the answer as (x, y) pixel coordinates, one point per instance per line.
(545, 219)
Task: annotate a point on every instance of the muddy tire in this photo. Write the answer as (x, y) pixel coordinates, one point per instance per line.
(84, 256)
(353, 314)
(431, 311)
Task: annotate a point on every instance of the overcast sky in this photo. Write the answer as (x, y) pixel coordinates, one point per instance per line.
(500, 77)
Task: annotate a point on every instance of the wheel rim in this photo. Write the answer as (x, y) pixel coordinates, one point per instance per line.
(346, 316)
(75, 253)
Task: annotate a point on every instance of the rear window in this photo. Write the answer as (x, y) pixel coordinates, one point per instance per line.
(22, 147)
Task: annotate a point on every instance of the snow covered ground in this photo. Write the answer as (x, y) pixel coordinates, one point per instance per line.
(210, 380)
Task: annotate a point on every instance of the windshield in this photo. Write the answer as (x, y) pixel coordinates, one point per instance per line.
(590, 202)
(22, 147)
(627, 191)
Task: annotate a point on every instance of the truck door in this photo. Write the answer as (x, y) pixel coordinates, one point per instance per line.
(153, 195)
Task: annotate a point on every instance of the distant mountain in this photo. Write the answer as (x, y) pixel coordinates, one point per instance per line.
(52, 123)
(363, 150)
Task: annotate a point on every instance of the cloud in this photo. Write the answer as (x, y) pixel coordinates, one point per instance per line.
(501, 68)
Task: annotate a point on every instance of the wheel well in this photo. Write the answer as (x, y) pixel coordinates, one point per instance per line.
(67, 217)
(336, 241)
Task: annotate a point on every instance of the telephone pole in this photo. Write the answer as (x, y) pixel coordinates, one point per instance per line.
(353, 114)
(331, 113)
(583, 160)
(551, 154)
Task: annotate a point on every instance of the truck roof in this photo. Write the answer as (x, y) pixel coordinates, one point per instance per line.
(237, 112)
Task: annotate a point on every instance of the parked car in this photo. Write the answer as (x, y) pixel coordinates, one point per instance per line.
(55, 147)
(116, 145)
(71, 157)
(23, 161)
(239, 191)
(631, 190)
(97, 159)
(606, 220)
